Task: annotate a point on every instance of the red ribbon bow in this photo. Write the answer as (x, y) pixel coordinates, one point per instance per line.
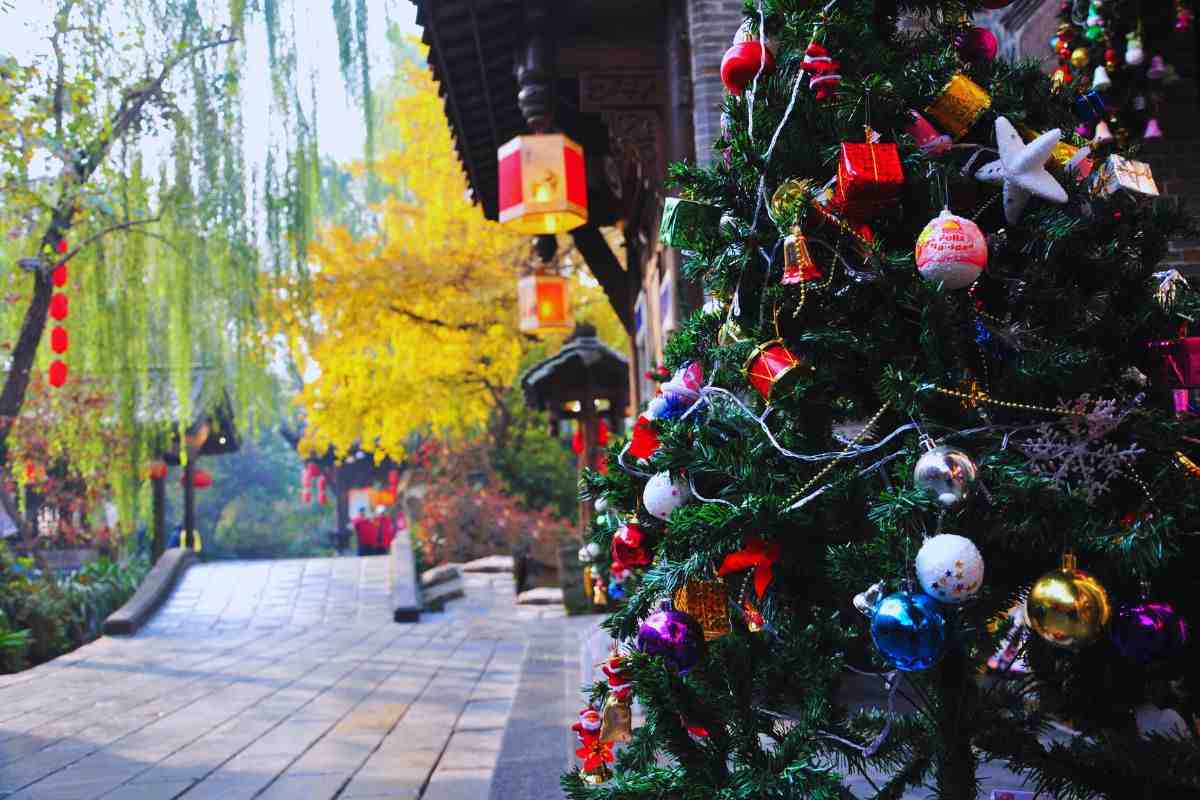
(758, 555)
(645, 438)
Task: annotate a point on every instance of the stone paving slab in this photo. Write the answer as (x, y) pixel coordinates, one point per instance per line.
(283, 679)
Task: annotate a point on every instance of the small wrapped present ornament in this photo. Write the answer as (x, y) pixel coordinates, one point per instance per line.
(687, 224)
(1118, 172)
(798, 264)
(959, 106)
(869, 177)
(706, 602)
(1089, 106)
(773, 370)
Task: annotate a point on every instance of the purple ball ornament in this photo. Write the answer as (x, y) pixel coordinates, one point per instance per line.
(1148, 632)
(673, 635)
(976, 45)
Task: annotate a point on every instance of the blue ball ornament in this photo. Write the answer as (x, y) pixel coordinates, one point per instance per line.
(910, 629)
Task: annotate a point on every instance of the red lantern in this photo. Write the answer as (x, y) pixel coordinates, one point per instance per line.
(61, 247)
(306, 497)
(202, 479)
(305, 478)
(312, 471)
(544, 303)
(58, 374)
(542, 184)
(772, 369)
(59, 306)
(59, 276)
(157, 470)
(394, 479)
(59, 341)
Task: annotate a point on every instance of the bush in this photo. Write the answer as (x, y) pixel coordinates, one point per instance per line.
(43, 616)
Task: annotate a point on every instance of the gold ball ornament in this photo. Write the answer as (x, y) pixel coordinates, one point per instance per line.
(1068, 607)
(788, 199)
(1079, 57)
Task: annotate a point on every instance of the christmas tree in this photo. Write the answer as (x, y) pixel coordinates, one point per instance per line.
(936, 424)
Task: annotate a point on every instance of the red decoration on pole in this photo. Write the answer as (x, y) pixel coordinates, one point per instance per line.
(59, 341)
(58, 374)
(59, 276)
(61, 247)
(59, 306)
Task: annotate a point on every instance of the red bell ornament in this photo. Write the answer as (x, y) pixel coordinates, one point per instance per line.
(869, 177)
(772, 369)
(542, 184)
(59, 341)
(59, 306)
(798, 263)
(744, 60)
(58, 374)
(59, 276)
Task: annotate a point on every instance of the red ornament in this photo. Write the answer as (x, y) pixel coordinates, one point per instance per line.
(976, 44)
(823, 69)
(742, 62)
(61, 247)
(869, 177)
(772, 369)
(393, 479)
(629, 546)
(59, 306)
(305, 478)
(645, 438)
(322, 497)
(758, 555)
(58, 374)
(305, 496)
(202, 479)
(59, 341)
(59, 276)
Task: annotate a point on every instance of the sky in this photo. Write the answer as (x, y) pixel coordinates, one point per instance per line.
(340, 123)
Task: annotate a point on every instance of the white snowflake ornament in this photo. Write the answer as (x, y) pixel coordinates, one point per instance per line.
(950, 568)
(663, 495)
(1021, 169)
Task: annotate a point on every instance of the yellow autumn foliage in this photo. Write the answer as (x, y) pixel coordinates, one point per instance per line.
(413, 325)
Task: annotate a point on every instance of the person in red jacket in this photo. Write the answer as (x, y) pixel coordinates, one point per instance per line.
(367, 534)
(387, 530)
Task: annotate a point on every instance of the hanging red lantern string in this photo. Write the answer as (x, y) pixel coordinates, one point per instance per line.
(61, 247)
(59, 306)
(305, 478)
(59, 276)
(202, 479)
(58, 374)
(306, 497)
(322, 496)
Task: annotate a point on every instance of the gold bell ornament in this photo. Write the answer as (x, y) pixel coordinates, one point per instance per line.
(616, 723)
(1068, 607)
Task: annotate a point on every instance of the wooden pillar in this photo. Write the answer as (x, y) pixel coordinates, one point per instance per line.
(186, 539)
(158, 540)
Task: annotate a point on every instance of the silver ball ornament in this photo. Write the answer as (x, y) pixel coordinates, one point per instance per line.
(947, 474)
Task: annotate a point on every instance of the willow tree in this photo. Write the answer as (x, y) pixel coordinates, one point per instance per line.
(122, 156)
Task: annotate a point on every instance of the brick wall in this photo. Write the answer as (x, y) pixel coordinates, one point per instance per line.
(711, 25)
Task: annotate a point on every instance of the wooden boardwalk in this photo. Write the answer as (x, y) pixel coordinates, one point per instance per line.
(274, 680)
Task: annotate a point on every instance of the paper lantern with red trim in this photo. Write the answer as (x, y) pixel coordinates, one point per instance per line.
(59, 341)
(59, 306)
(542, 184)
(59, 276)
(58, 373)
(544, 302)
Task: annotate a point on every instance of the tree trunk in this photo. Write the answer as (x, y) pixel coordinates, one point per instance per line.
(159, 535)
(187, 538)
(955, 762)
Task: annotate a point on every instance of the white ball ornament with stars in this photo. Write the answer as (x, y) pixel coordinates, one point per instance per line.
(663, 495)
(950, 568)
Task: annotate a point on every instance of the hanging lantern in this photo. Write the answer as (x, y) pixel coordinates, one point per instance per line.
(157, 470)
(393, 479)
(59, 276)
(61, 247)
(59, 306)
(202, 479)
(543, 184)
(544, 303)
(59, 341)
(305, 478)
(58, 374)
(322, 496)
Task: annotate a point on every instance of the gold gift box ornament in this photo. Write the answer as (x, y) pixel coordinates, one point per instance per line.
(960, 105)
(1118, 172)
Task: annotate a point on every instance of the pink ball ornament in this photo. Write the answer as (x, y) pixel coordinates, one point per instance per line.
(951, 250)
(977, 45)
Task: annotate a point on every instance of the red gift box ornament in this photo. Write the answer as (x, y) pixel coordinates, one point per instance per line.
(744, 60)
(869, 177)
(772, 369)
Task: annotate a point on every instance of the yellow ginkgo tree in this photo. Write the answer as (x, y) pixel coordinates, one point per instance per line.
(413, 324)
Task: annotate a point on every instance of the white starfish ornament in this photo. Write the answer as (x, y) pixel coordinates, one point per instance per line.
(1022, 169)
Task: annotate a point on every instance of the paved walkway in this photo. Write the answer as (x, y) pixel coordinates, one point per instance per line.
(288, 679)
